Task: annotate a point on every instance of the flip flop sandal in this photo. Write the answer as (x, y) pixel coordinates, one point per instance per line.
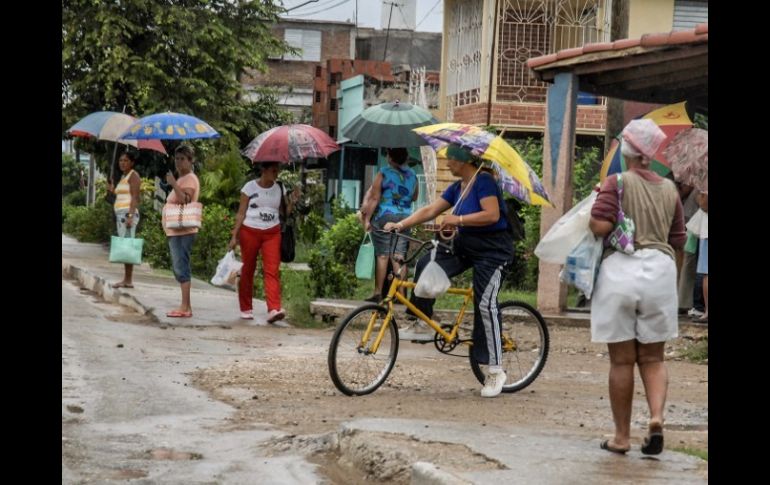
(653, 444)
(122, 285)
(605, 445)
(178, 314)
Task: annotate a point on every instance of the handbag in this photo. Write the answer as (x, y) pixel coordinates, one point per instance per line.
(365, 259)
(622, 236)
(182, 216)
(126, 250)
(288, 239)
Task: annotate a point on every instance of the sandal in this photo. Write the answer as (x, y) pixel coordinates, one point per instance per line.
(178, 314)
(653, 443)
(605, 445)
(122, 285)
(701, 319)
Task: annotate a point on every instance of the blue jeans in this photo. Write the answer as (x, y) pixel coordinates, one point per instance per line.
(181, 247)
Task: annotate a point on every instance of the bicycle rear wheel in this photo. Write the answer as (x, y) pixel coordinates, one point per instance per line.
(354, 369)
(525, 346)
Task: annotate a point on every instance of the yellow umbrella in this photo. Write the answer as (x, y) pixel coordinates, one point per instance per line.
(514, 174)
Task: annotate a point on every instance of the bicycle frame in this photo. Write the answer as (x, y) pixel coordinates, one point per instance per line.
(393, 293)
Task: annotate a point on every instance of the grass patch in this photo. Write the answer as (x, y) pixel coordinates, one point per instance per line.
(697, 352)
(702, 454)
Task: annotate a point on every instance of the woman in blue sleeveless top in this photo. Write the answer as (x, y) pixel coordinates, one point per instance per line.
(388, 200)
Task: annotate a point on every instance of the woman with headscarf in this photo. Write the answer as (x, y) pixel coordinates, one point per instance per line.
(634, 305)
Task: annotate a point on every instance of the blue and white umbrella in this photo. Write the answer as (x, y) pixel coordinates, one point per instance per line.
(169, 126)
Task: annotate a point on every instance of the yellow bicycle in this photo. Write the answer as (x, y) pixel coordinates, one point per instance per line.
(364, 346)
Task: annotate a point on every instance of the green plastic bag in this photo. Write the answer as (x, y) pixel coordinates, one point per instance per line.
(365, 259)
(691, 246)
(127, 250)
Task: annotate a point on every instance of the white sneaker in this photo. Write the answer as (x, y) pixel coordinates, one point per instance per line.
(247, 315)
(493, 384)
(694, 313)
(416, 331)
(275, 315)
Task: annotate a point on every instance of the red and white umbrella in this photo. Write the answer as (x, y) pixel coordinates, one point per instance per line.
(688, 153)
(290, 143)
(109, 126)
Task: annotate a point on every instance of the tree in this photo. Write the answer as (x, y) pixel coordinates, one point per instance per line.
(158, 55)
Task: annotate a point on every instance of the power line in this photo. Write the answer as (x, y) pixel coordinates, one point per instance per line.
(323, 9)
(426, 15)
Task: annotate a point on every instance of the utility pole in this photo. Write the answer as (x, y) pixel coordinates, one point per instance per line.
(387, 33)
(618, 30)
(492, 63)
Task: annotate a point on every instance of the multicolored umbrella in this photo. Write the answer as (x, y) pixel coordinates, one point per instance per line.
(169, 126)
(672, 119)
(514, 174)
(290, 143)
(109, 126)
(389, 125)
(688, 153)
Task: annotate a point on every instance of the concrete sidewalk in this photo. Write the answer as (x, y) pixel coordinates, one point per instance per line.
(154, 292)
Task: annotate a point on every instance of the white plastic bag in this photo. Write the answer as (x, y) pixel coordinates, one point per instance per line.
(582, 264)
(433, 280)
(227, 270)
(567, 232)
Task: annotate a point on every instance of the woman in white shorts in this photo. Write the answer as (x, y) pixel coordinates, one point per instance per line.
(634, 306)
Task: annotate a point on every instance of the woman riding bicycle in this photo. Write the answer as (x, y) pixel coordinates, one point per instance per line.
(483, 243)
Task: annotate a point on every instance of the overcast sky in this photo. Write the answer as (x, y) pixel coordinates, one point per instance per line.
(429, 12)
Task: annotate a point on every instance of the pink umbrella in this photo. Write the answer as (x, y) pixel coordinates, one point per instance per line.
(688, 153)
(290, 143)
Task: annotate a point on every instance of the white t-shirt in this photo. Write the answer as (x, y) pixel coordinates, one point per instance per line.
(262, 209)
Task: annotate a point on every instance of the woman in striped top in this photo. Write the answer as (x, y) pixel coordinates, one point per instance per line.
(127, 207)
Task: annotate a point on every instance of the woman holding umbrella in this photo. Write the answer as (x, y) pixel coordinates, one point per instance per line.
(185, 190)
(126, 207)
(258, 230)
(483, 243)
(389, 199)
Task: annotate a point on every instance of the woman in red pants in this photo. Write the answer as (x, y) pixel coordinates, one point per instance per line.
(258, 230)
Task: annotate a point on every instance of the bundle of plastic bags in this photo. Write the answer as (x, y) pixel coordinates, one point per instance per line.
(567, 232)
(227, 270)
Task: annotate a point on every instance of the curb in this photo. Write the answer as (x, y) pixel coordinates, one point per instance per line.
(101, 287)
(426, 473)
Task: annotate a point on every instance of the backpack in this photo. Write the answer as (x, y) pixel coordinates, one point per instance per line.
(515, 222)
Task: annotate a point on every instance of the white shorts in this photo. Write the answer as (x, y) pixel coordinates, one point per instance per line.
(635, 297)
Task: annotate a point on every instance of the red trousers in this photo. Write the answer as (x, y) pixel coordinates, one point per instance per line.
(268, 242)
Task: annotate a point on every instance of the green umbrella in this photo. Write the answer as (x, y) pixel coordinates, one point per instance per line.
(389, 125)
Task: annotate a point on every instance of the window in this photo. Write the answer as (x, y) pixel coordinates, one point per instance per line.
(318, 96)
(689, 13)
(307, 41)
(333, 104)
(331, 131)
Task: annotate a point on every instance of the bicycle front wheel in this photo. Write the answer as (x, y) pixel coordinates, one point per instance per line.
(525, 346)
(353, 367)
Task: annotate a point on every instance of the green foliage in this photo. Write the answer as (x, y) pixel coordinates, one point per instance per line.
(211, 243)
(155, 251)
(156, 56)
(332, 262)
(72, 174)
(697, 352)
(89, 224)
(223, 178)
(75, 198)
(702, 454)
